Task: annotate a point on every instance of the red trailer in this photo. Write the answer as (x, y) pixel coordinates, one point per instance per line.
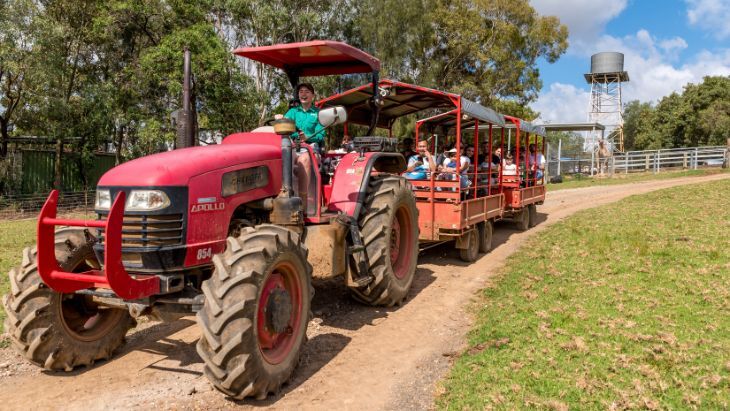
(525, 190)
(449, 208)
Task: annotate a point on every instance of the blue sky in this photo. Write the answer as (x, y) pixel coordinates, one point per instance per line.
(666, 45)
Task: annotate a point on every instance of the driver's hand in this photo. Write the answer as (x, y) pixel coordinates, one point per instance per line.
(278, 116)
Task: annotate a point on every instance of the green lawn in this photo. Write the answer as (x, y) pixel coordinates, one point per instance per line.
(578, 182)
(622, 306)
(14, 235)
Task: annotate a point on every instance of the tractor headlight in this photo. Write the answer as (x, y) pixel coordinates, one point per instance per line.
(146, 200)
(103, 200)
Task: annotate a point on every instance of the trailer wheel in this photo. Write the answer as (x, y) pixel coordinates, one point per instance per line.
(486, 229)
(471, 252)
(61, 331)
(532, 211)
(522, 219)
(390, 233)
(256, 311)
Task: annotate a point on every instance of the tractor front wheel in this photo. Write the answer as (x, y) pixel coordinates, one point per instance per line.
(389, 229)
(257, 307)
(61, 331)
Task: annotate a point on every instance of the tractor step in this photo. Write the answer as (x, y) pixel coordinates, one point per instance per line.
(362, 281)
(355, 249)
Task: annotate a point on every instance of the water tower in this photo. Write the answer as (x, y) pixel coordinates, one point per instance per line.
(607, 74)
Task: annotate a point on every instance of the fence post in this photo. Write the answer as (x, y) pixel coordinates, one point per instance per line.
(560, 149)
(684, 160)
(697, 155)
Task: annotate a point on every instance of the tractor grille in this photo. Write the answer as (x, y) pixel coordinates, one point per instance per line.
(151, 230)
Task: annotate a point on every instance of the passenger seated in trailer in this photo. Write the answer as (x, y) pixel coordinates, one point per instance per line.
(537, 163)
(449, 167)
(421, 164)
(407, 148)
(509, 168)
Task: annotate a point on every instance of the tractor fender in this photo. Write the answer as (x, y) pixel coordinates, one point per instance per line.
(352, 176)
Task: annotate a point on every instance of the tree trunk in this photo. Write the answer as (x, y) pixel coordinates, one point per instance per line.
(4, 137)
(57, 165)
(118, 145)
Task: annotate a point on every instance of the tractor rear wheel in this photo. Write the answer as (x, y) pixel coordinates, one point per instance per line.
(256, 311)
(61, 331)
(471, 252)
(390, 233)
(486, 230)
(522, 219)
(533, 215)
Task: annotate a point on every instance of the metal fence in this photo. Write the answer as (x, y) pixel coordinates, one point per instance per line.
(674, 158)
(690, 158)
(28, 206)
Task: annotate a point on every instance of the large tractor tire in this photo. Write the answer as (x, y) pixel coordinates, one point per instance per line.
(486, 230)
(256, 311)
(61, 331)
(389, 227)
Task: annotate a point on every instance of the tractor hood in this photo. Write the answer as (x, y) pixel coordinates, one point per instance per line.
(175, 168)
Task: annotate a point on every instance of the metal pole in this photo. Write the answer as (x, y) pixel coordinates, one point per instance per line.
(560, 151)
(509, 139)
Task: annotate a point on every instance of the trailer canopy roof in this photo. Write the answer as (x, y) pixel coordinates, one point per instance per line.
(401, 99)
(313, 58)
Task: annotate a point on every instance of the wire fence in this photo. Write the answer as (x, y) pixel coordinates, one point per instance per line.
(28, 206)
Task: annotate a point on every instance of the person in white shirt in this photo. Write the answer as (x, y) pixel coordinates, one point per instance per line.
(509, 168)
(537, 162)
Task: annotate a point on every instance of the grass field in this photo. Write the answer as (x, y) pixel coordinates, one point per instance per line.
(578, 182)
(622, 306)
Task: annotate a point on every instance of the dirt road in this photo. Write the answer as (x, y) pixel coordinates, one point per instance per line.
(357, 357)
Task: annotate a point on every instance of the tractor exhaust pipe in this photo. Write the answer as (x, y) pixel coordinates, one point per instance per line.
(287, 208)
(186, 118)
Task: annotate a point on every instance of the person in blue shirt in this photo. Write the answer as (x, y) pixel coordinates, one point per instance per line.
(421, 163)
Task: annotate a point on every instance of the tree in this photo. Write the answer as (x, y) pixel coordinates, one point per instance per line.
(488, 50)
(637, 122)
(17, 31)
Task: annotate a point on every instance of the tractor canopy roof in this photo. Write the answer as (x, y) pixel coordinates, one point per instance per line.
(313, 58)
(401, 99)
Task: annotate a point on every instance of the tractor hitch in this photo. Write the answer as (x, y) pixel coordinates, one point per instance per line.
(113, 275)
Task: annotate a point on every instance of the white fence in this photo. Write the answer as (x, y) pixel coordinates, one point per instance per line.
(674, 158)
(690, 158)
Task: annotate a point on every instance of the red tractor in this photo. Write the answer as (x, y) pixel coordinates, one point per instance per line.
(219, 231)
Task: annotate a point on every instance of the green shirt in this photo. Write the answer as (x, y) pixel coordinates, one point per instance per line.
(307, 121)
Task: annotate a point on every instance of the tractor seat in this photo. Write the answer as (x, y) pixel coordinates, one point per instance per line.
(381, 144)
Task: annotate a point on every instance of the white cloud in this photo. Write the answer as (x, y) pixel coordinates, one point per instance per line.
(649, 64)
(562, 103)
(711, 16)
(585, 19)
(652, 74)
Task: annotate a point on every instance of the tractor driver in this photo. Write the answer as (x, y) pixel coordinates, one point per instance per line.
(310, 131)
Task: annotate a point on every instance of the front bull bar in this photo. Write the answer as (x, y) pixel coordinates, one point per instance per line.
(113, 275)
